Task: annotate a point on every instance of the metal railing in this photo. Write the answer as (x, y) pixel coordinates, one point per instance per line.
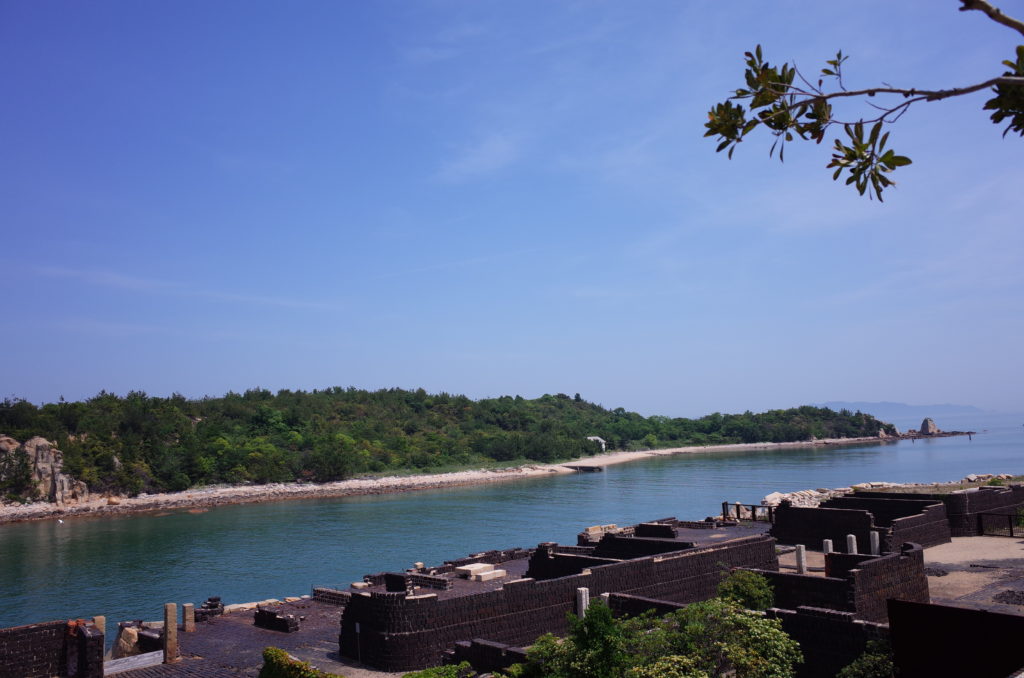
(1000, 525)
(754, 512)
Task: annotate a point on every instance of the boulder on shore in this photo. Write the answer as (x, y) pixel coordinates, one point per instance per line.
(928, 427)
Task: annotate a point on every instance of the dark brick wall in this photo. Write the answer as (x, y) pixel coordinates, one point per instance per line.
(625, 547)
(399, 633)
(623, 605)
(839, 564)
(548, 565)
(331, 596)
(861, 584)
(486, 656)
(884, 510)
(936, 640)
(33, 651)
(898, 576)
(810, 526)
(828, 639)
(656, 530)
(795, 590)
(962, 508)
(89, 648)
(928, 529)
(55, 648)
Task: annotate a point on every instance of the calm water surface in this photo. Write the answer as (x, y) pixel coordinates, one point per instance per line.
(127, 567)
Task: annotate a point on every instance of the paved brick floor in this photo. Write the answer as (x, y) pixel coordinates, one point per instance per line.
(230, 646)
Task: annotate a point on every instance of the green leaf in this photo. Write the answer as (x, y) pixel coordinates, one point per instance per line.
(901, 160)
(874, 132)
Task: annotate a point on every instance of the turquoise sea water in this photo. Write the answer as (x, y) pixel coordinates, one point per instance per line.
(127, 567)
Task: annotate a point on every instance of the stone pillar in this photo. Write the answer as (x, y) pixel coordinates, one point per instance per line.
(582, 600)
(826, 546)
(171, 634)
(100, 623)
(875, 547)
(606, 598)
(188, 617)
(801, 559)
(851, 543)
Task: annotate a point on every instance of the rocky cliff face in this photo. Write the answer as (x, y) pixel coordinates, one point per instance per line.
(47, 465)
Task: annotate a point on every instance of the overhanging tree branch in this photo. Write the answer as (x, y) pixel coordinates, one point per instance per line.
(790, 110)
(993, 13)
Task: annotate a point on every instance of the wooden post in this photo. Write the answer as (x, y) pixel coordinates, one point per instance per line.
(188, 617)
(171, 634)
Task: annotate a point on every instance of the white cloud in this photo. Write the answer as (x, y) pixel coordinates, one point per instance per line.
(103, 278)
(488, 155)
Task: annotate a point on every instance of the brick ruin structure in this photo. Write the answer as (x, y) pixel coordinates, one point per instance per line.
(407, 621)
(966, 509)
(858, 584)
(896, 520)
(70, 649)
(486, 607)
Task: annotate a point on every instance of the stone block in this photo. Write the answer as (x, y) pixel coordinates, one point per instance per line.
(488, 575)
(473, 569)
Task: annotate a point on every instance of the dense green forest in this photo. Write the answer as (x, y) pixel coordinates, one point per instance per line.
(138, 443)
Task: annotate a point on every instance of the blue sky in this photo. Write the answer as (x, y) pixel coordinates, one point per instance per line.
(495, 198)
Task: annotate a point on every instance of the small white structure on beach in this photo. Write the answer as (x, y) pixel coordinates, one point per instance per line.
(598, 440)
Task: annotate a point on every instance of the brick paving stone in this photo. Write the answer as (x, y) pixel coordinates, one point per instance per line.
(231, 646)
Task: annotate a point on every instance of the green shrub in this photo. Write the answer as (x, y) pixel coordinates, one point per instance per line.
(876, 662)
(747, 589)
(277, 664)
(463, 670)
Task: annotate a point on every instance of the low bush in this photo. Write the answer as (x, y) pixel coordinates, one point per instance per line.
(278, 664)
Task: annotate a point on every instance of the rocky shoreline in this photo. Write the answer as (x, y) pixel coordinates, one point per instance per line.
(201, 499)
(812, 498)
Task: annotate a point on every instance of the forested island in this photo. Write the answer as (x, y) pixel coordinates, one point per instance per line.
(139, 443)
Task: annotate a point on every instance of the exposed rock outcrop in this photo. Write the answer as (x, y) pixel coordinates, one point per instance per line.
(47, 463)
(928, 427)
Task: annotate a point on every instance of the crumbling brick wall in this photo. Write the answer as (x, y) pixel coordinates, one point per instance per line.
(810, 526)
(937, 640)
(401, 633)
(56, 648)
(860, 584)
(962, 508)
(33, 651)
(898, 576)
(829, 639)
(922, 521)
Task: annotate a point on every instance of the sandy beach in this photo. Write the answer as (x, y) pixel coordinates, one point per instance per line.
(201, 498)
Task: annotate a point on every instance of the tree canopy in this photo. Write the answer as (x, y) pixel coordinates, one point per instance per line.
(708, 639)
(140, 443)
(791, 105)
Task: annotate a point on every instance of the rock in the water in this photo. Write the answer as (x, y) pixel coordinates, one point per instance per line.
(928, 427)
(127, 643)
